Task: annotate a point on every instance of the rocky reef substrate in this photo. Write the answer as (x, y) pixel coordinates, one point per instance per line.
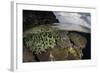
(41, 42)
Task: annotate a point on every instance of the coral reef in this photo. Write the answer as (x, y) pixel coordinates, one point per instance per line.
(51, 37)
(51, 44)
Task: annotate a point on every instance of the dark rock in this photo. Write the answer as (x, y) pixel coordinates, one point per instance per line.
(53, 55)
(43, 56)
(78, 40)
(59, 54)
(28, 56)
(33, 18)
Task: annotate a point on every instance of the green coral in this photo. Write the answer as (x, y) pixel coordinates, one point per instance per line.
(40, 38)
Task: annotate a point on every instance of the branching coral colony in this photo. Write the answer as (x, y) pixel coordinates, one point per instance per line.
(42, 38)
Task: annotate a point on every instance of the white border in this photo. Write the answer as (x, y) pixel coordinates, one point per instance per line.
(17, 63)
